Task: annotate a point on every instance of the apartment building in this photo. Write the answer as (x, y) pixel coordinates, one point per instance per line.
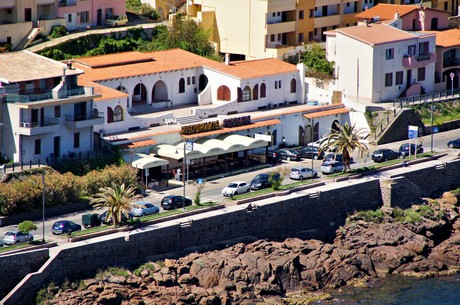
(271, 28)
(21, 21)
(45, 112)
(378, 62)
(447, 71)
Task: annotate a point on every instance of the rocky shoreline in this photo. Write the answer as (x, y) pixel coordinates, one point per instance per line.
(423, 241)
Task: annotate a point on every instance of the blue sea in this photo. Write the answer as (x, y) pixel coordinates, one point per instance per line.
(404, 291)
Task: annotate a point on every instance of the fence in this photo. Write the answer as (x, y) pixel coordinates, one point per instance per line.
(438, 96)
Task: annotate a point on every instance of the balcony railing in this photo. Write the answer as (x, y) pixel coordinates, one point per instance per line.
(84, 117)
(63, 3)
(27, 98)
(451, 62)
(49, 122)
(418, 61)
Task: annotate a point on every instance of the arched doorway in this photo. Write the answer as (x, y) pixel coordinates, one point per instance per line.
(308, 135)
(139, 95)
(315, 132)
(202, 82)
(302, 136)
(159, 93)
(223, 93)
(334, 126)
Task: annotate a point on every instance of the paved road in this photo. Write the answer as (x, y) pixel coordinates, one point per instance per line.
(212, 190)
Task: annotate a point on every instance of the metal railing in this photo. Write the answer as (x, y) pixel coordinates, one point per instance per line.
(84, 117)
(27, 98)
(49, 122)
(438, 96)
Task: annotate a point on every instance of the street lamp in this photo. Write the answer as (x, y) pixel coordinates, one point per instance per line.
(183, 174)
(311, 129)
(43, 206)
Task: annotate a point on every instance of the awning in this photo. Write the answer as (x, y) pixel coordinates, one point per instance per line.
(175, 152)
(143, 161)
(247, 142)
(318, 114)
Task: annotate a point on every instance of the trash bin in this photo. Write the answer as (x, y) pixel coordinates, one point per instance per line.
(90, 220)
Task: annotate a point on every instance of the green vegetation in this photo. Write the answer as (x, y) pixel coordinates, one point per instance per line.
(117, 198)
(371, 216)
(346, 138)
(58, 31)
(46, 293)
(148, 266)
(26, 226)
(148, 11)
(443, 112)
(5, 47)
(410, 215)
(133, 6)
(316, 63)
(199, 189)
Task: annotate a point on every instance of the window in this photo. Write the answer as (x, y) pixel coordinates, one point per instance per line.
(279, 37)
(421, 74)
(348, 4)
(263, 89)
(272, 37)
(188, 81)
(279, 84)
(57, 111)
(76, 140)
(193, 80)
(273, 14)
(300, 37)
(246, 94)
(388, 79)
(423, 48)
(38, 146)
(108, 12)
(399, 78)
(118, 114)
(109, 115)
(84, 17)
(311, 13)
(69, 18)
(223, 93)
(411, 50)
(255, 92)
(293, 85)
(278, 14)
(389, 53)
(301, 15)
(181, 85)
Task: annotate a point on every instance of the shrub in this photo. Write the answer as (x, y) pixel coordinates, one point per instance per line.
(58, 31)
(148, 11)
(26, 226)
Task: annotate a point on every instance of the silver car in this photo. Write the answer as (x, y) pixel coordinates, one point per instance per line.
(300, 173)
(16, 237)
(331, 167)
(141, 208)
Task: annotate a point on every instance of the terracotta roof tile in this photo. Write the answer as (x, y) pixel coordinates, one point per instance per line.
(386, 11)
(105, 92)
(449, 38)
(319, 114)
(119, 65)
(142, 143)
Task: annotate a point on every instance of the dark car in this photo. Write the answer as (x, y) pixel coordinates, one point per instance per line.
(454, 143)
(382, 155)
(104, 219)
(174, 201)
(273, 157)
(289, 154)
(404, 149)
(263, 180)
(65, 226)
(311, 152)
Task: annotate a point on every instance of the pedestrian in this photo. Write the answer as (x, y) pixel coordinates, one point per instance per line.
(178, 174)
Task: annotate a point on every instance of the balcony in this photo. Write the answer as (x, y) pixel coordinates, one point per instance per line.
(37, 128)
(281, 5)
(29, 98)
(63, 3)
(327, 21)
(281, 27)
(450, 62)
(42, 2)
(83, 121)
(418, 61)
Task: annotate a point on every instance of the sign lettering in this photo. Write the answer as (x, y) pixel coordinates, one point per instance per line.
(199, 128)
(235, 122)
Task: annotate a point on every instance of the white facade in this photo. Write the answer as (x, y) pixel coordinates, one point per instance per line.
(380, 72)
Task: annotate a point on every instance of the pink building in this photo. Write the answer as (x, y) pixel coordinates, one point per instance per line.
(81, 14)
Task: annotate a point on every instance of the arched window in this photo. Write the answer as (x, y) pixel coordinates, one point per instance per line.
(293, 85)
(246, 94)
(240, 95)
(95, 113)
(109, 115)
(263, 89)
(255, 92)
(118, 114)
(181, 85)
(202, 82)
(223, 93)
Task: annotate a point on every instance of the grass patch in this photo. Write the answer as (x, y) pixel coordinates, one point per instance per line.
(91, 230)
(14, 247)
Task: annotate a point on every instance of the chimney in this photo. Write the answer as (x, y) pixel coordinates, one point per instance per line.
(396, 16)
(227, 59)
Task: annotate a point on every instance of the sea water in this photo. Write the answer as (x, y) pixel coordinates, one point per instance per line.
(404, 291)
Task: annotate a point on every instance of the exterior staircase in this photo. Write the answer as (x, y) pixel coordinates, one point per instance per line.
(28, 39)
(142, 109)
(188, 119)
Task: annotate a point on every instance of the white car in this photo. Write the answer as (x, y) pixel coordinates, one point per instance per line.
(235, 188)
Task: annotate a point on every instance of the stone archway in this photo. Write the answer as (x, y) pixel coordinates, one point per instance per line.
(159, 93)
(302, 136)
(202, 82)
(308, 134)
(139, 95)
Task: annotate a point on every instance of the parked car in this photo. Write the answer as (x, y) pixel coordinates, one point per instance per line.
(1, 243)
(404, 149)
(235, 188)
(289, 154)
(174, 201)
(141, 208)
(319, 142)
(300, 173)
(454, 143)
(334, 157)
(331, 167)
(264, 180)
(16, 237)
(65, 226)
(121, 20)
(273, 157)
(104, 219)
(311, 152)
(382, 155)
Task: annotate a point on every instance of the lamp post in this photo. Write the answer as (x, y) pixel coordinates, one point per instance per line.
(452, 81)
(311, 129)
(183, 174)
(432, 110)
(43, 206)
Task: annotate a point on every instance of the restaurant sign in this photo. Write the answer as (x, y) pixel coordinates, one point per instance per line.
(235, 122)
(199, 128)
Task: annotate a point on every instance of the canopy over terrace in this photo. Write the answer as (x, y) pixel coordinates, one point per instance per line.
(143, 161)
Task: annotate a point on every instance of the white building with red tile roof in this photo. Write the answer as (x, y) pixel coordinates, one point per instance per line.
(448, 60)
(378, 63)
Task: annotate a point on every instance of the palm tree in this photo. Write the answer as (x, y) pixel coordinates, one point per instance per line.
(117, 198)
(346, 138)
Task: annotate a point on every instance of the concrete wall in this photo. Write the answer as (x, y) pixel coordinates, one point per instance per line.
(399, 128)
(315, 215)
